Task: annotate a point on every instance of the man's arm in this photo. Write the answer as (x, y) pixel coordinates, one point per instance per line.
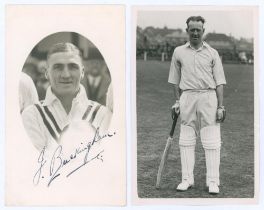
(220, 95)
(177, 92)
(221, 113)
(176, 106)
(174, 78)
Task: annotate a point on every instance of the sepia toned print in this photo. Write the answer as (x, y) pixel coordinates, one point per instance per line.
(61, 100)
(198, 75)
(64, 102)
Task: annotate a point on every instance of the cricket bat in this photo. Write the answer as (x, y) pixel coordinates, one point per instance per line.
(166, 152)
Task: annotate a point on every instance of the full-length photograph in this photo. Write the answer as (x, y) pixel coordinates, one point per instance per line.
(195, 106)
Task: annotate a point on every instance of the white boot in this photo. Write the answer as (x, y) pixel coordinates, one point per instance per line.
(184, 185)
(213, 188)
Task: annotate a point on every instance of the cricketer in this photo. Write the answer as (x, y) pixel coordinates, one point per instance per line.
(197, 75)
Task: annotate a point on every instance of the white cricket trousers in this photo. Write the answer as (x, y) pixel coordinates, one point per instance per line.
(198, 116)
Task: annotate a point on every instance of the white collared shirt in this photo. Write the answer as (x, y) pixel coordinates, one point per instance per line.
(196, 69)
(27, 92)
(82, 110)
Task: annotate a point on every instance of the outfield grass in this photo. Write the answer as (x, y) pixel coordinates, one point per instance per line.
(154, 99)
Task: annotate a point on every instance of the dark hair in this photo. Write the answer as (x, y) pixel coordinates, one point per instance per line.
(195, 18)
(64, 47)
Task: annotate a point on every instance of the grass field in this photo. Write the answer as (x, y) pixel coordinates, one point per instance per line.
(154, 99)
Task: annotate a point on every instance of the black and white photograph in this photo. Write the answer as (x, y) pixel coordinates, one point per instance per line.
(65, 89)
(65, 141)
(132, 104)
(195, 108)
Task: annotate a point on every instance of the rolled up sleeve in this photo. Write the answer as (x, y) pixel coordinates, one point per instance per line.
(218, 70)
(175, 70)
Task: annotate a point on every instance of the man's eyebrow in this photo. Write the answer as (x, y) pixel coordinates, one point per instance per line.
(57, 64)
(73, 64)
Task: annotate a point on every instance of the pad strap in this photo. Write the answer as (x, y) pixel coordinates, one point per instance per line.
(210, 137)
(187, 136)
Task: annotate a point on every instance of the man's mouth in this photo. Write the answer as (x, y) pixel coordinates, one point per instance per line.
(66, 82)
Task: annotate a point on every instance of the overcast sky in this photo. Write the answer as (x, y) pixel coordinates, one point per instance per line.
(238, 23)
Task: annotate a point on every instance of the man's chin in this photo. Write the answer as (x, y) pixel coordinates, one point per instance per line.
(66, 92)
(196, 41)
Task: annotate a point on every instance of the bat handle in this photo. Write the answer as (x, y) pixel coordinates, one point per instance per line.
(173, 126)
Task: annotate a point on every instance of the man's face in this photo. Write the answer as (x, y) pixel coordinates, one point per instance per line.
(95, 68)
(195, 30)
(64, 72)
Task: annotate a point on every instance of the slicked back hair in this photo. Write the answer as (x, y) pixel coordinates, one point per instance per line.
(64, 47)
(195, 18)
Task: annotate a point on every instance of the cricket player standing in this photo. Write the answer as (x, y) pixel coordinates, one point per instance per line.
(196, 71)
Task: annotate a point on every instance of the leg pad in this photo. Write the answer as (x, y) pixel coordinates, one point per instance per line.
(211, 140)
(187, 149)
(210, 137)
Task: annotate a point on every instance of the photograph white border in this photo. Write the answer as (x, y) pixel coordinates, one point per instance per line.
(26, 25)
(129, 90)
(196, 201)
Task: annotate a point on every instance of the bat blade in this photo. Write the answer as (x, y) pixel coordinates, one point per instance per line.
(166, 152)
(163, 161)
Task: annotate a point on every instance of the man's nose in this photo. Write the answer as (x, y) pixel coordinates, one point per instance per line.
(65, 73)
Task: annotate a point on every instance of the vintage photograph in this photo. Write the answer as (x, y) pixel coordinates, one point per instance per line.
(195, 106)
(65, 141)
(64, 88)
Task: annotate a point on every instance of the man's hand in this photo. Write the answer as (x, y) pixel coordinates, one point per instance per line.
(220, 114)
(175, 109)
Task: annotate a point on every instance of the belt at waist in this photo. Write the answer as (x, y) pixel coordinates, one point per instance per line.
(198, 90)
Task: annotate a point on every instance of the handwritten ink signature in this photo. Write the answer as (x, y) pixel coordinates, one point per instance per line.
(57, 161)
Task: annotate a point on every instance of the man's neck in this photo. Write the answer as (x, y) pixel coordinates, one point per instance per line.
(66, 102)
(197, 46)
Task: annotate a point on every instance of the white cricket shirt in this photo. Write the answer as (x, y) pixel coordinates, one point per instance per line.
(27, 92)
(196, 69)
(45, 122)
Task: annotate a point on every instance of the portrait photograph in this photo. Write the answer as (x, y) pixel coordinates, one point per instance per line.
(196, 105)
(65, 142)
(132, 104)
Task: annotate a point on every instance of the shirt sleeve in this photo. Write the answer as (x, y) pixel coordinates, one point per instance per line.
(27, 92)
(218, 70)
(34, 130)
(175, 69)
(102, 119)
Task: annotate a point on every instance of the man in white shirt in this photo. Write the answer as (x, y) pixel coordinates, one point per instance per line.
(66, 103)
(196, 71)
(28, 94)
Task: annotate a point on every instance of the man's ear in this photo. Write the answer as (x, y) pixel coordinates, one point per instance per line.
(82, 73)
(46, 74)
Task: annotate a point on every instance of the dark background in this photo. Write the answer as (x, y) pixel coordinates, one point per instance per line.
(36, 62)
